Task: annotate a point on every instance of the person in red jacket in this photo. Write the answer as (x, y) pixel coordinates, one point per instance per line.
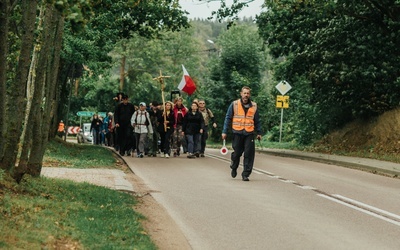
(178, 139)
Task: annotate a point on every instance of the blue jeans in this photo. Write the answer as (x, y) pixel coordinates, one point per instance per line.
(194, 143)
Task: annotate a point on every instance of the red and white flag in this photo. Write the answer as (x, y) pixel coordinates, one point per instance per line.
(187, 84)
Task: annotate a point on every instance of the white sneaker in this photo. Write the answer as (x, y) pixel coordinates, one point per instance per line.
(166, 155)
(162, 155)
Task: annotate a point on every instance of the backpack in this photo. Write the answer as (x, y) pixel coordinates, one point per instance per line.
(145, 115)
(208, 112)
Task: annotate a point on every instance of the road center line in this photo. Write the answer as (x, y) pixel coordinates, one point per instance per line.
(359, 206)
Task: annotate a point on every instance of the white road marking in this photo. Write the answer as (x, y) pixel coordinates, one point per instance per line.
(256, 172)
(368, 206)
(307, 187)
(360, 209)
(288, 181)
(275, 177)
(359, 206)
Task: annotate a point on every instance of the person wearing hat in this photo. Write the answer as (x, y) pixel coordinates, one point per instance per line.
(154, 113)
(141, 123)
(122, 117)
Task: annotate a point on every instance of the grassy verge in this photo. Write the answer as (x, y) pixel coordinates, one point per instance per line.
(44, 213)
(62, 154)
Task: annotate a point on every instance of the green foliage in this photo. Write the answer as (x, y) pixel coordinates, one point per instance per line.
(109, 23)
(240, 64)
(340, 58)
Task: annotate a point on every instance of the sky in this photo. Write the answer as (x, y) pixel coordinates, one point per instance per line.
(203, 10)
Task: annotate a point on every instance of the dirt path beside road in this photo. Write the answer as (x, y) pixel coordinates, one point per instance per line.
(163, 230)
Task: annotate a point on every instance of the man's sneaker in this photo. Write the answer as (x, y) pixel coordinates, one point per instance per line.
(166, 155)
(245, 178)
(201, 155)
(141, 155)
(162, 155)
(233, 173)
(190, 155)
(197, 155)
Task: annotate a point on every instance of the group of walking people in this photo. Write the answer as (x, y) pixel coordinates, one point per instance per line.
(167, 128)
(175, 126)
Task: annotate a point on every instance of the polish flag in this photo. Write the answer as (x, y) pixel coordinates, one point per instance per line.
(187, 84)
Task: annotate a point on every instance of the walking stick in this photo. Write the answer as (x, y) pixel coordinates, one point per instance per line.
(160, 79)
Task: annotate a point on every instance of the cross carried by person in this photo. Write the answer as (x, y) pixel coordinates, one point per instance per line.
(160, 79)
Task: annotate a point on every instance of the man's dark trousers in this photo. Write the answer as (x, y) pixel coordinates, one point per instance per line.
(125, 139)
(243, 144)
(204, 137)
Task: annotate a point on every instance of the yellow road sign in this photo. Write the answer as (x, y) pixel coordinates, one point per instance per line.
(282, 101)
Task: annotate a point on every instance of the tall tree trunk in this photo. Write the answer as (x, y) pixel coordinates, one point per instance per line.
(16, 101)
(26, 137)
(4, 22)
(122, 69)
(38, 98)
(55, 23)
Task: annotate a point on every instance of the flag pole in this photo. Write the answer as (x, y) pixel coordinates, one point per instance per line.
(160, 79)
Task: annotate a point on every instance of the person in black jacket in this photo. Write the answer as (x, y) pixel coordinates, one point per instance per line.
(122, 118)
(193, 127)
(95, 129)
(166, 127)
(154, 113)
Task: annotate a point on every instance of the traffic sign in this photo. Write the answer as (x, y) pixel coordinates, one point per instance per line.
(85, 113)
(73, 130)
(91, 113)
(283, 87)
(282, 101)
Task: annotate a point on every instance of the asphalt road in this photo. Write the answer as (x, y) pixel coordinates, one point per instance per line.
(287, 204)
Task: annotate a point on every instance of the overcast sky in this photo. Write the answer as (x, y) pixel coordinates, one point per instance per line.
(203, 10)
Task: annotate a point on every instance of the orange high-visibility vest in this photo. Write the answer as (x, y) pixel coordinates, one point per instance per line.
(241, 120)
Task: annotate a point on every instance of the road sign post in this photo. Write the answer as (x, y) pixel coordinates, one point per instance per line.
(282, 101)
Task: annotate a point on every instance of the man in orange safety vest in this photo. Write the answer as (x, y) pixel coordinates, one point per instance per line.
(244, 118)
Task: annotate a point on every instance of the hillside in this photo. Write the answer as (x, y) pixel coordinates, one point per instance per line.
(377, 138)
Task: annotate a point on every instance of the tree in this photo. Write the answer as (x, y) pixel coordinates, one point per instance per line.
(4, 26)
(240, 63)
(16, 91)
(42, 64)
(339, 57)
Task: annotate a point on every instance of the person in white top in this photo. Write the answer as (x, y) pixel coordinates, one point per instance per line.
(142, 126)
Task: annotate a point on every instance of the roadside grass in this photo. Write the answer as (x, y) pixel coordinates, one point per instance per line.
(63, 154)
(46, 213)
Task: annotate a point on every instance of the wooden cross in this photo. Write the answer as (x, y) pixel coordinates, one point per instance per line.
(160, 79)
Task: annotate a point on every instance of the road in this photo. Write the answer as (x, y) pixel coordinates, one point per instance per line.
(287, 204)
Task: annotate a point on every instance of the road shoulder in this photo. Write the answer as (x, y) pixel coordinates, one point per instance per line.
(162, 229)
